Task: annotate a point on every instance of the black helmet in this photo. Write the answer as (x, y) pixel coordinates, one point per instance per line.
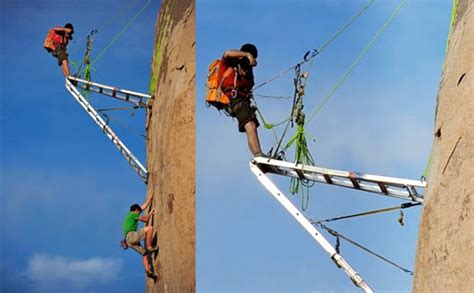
(70, 26)
(250, 48)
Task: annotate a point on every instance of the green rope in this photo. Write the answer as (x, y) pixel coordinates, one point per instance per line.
(334, 37)
(266, 124)
(357, 60)
(106, 23)
(117, 15)
(302, 156)
(87, 72)
(270, 125)
(308, 56)
(121, 32)
(354, 18)
(313, 53)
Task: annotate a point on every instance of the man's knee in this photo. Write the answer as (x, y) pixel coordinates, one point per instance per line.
(250, 126)
(148, 228)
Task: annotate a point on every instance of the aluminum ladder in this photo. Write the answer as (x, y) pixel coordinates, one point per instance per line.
(406, 189)
(138, 99)
(135, 98)
(388, 186)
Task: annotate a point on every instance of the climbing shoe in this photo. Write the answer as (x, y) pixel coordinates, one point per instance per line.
(152, 249)
(150, 274)
(260, 155)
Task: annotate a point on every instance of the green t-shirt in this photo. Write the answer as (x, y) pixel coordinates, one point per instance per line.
(130, 223)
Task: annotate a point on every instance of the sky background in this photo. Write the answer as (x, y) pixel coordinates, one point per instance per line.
(379, 122)
(65, 189)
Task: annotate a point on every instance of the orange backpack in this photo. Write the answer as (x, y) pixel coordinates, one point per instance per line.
(52, 41)
(217, 74)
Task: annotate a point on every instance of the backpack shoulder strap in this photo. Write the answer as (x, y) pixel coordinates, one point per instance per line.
(227, 73)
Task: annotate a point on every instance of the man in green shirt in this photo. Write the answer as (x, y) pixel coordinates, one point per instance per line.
(134, 236)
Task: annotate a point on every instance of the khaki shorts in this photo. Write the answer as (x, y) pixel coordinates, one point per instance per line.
(61, 54)
(241, 109)
(133, 239)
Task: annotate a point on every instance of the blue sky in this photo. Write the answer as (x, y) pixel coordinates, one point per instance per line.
(379, 122)
(64, 187)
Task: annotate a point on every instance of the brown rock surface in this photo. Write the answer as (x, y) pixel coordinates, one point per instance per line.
(445, 253)
(171, 147)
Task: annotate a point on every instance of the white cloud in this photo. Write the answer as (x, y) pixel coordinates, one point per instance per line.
(46, 268)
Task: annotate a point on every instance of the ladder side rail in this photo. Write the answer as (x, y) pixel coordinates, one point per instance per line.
(399, 192)
(111, 88)
(391, 180)
(133, 161)
(306, 168)
(122, 97)
(332, 172)
(314, 233)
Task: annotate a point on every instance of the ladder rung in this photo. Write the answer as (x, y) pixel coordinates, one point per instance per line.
(327, 178)
(352, 177)
(383, 188)
(300, 174)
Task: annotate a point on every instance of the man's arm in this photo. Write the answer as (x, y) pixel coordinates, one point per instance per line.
(147, 202)
(63, 29)
(146, 218)
(235, 54)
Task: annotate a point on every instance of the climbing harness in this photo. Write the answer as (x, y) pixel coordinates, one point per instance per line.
(137, 99)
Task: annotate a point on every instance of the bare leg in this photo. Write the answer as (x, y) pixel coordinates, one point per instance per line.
(65, 68)
(146, 264)
(148, 236)
(252, 137)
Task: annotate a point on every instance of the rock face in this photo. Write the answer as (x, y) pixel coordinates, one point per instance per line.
(171, 147)
(445, 253)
